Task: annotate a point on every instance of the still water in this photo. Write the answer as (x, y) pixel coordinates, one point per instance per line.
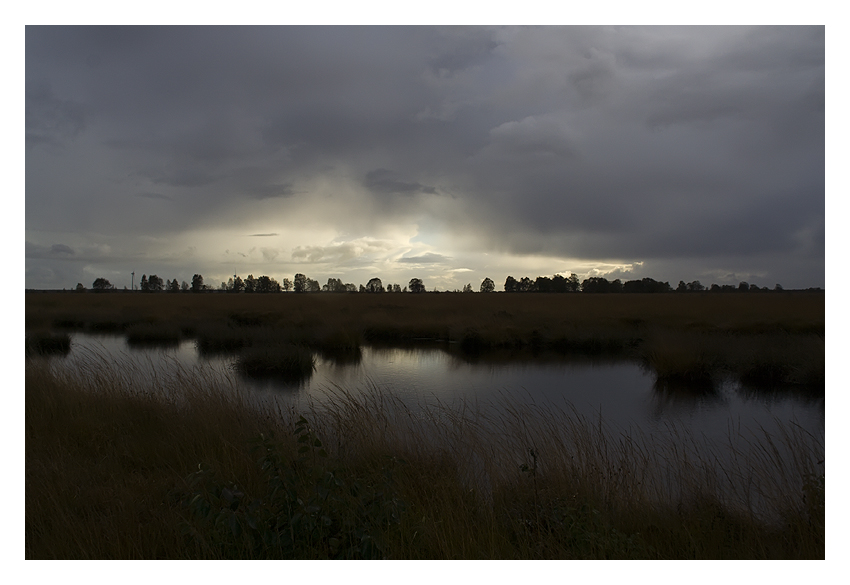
(622, 393)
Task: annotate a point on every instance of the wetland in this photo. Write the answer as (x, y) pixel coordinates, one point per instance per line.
(716, 401)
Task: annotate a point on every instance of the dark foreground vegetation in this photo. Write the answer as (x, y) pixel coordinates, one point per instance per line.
(190, 466)
(120, 464)
(763, 339)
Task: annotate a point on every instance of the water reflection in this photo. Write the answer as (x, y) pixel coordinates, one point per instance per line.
(622, 392)
(678, 399)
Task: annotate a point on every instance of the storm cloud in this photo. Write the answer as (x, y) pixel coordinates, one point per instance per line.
(678, 153)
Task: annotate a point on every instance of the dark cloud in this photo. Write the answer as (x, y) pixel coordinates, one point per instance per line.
(61, 249)
(154, 196)
(51, 120)
(429, 258)
(270, 191)
(382, 181)
(685, 148)
(54, 251)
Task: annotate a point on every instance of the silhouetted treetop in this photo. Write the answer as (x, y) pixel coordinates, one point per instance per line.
(416, 285)
(197, 283)
(101, 284)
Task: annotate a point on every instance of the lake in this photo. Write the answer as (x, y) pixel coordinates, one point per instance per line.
(621, 392)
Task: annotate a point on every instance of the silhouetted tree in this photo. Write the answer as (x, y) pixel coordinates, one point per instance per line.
(487, 285)
(154, 283)
(101, 284)
(143, 284)
(416, 285)
(80, 287)
(467, 288)
(778, 288)
(266, 284)
(374, 285)
(174, 286)
(596, 284)
(238, 285)
(743, 287)
(250, 284)
(573, 285)
(543, 284)
(695, 286)
(334, 285)
(525, 285)
(682, 287)
(300, 283)
(559, 284)
(511, 284)
(396, 288)
(646, 285)
(184, 286)
(286, 284)
(197, 283)
(313, 285)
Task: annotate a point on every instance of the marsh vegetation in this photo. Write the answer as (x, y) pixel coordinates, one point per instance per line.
(764, 338)
(192, 463)
(190, 467)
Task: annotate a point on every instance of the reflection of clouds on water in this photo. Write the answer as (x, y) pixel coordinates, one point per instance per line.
(622, 393)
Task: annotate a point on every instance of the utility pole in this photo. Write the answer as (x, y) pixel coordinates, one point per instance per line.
(133, 280)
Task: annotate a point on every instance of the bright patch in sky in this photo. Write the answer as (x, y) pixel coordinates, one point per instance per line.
(446, 154)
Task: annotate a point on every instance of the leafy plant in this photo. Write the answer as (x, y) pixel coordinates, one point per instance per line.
(309, 509)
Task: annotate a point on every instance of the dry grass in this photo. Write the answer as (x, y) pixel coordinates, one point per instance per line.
(447, 314)
(110, 454)
(763, 338)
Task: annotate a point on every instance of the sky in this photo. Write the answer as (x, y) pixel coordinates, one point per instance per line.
(448, 154)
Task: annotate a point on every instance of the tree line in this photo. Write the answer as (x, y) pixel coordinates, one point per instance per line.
(263, 284)
(598, 284)
(542, 284)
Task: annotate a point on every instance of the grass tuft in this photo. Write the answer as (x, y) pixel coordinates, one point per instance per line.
(48, 344)
(286, 362)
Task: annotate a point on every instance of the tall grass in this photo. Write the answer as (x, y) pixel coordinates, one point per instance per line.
(763, 339)
(191, 464)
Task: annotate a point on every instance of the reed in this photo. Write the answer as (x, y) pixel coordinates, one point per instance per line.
(43, 343)
(286, 362)
(195, 465)
(764, 339)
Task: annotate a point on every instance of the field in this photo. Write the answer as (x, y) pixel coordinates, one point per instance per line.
(186, 467)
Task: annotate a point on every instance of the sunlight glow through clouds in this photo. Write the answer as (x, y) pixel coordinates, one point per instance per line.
(663, 152)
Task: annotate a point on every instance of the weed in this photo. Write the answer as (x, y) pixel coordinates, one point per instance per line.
(309, 509)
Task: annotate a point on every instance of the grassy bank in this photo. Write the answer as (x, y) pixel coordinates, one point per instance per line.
(189, 467)
(764, 339)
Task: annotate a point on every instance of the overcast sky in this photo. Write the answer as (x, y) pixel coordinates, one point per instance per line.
(446, 154)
